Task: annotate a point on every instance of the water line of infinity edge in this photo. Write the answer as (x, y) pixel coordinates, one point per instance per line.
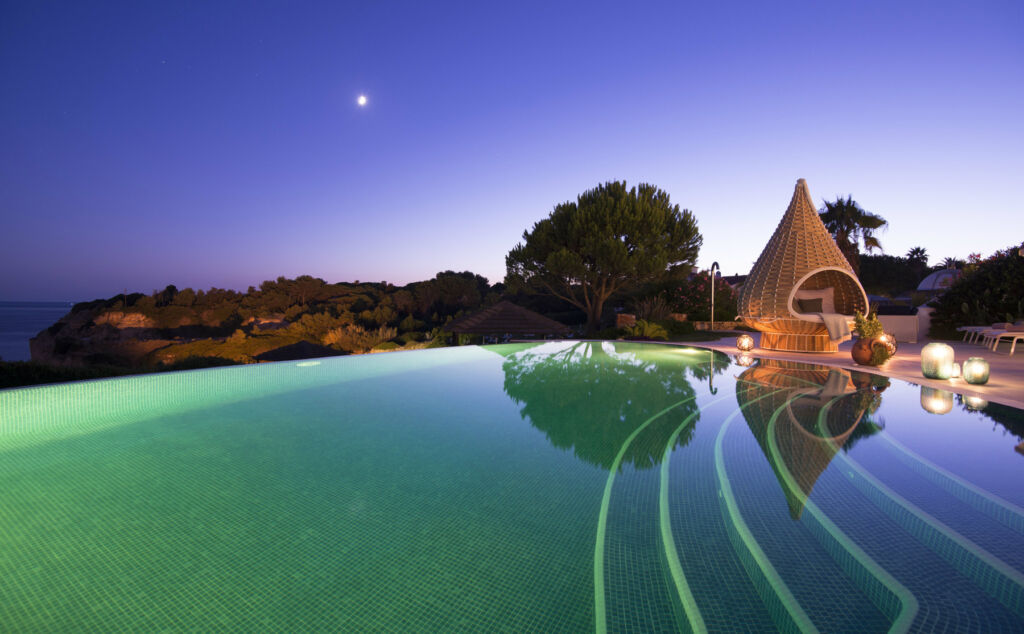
(1003, 511)
(675, 566)
(823, 528)
(600, 619)
(989, 572)
(797, 617)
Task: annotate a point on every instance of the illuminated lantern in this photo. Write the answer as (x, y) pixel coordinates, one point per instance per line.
(976, 371)
(937, 361)
(956, 371)
(745, 343)
(936, 401)
(744, 360)
(888, 341)
(974, 403)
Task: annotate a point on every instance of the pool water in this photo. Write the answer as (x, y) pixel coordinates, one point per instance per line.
(562, 486)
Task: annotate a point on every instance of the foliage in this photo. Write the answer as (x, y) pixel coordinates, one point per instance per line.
(386, 347)
(653, 308)
(610, 240)
(693, 297)
(676, 328)
(989, 291)
(589, 379)
(879, 355)
(868, 326)
(609, 333)
(890, 275)
(852, 226)
(354, 338)
(644, 329)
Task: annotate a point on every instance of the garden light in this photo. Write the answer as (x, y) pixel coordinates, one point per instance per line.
(976, 371)
(744, 343)
(937, 361)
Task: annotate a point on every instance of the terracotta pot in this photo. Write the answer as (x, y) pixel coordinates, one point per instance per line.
(861, 351)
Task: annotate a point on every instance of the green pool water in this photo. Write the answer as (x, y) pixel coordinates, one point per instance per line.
(560, 486)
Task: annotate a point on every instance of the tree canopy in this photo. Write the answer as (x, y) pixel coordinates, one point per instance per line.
(611, 239)
(851, 226)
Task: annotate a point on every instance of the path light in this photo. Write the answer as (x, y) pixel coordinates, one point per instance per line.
(936, 401)
(937, 361)
(976, 371)
(744, 343)
(975, 403)
(714, 267)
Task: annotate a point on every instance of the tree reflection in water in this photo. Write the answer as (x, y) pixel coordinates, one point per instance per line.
(590, 396)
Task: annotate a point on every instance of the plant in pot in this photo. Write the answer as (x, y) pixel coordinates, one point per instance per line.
(873, 346)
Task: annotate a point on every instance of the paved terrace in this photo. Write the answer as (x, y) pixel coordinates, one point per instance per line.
(1005, 384)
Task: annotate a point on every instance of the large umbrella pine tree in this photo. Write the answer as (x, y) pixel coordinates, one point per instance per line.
(609, 240)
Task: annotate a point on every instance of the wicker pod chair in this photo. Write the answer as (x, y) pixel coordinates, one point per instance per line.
(801, 259)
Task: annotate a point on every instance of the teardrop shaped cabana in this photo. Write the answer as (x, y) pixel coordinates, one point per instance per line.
(800, 265)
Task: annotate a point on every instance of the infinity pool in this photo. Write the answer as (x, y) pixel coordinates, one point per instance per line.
(548, 487)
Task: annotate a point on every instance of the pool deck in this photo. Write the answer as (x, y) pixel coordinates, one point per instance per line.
(1005, 385)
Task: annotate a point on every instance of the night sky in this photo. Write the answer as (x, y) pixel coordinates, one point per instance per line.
(220, 144)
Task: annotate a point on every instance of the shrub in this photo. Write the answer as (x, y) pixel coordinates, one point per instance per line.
(644, 329)
(678, 328)
(610, 333)
(386, 346)
(653, 308)
(693, 297)
(988, 292)
(354, 338)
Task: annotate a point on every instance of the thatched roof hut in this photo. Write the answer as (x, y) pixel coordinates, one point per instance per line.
(506, 318)
(801, 260)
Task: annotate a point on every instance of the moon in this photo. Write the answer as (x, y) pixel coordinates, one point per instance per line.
(361, 100)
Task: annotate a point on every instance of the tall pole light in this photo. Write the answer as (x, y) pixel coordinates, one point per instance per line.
(714, 267)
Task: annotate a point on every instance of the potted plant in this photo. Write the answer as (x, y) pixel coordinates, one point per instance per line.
(873, 346)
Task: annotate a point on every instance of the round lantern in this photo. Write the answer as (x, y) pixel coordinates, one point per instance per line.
(744, 343)
(937, 361)
(936, 401)
(888, 341)
(975, 371)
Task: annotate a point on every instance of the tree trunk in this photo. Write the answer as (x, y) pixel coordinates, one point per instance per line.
(594, 316)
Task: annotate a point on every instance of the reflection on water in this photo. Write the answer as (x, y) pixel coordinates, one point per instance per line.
(590, 396)
(801, 415)
(936, 401)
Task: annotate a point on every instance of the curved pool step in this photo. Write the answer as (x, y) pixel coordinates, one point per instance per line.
(600, 615)
(1004, 512)
(889, 595)
(989, 572)
(787, 612)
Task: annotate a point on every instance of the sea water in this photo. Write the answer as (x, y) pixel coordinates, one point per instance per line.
(20, 321)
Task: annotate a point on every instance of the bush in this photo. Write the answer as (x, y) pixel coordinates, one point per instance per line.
(386, 346)
(693, 297)
(647, 330)
(610, 333)
(354, 338)
(677, 328)
(988, 292)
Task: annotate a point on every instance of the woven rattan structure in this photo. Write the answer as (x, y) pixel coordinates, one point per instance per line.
(801, 256)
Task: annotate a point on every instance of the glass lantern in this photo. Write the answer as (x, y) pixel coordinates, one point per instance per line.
(975, 371)
(744, 343)
(937, 361)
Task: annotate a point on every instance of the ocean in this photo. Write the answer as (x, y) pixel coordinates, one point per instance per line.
(20, 321)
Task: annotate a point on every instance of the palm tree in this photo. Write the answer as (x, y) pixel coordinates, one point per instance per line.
(953, 263)
(918, 254)
(852, 226)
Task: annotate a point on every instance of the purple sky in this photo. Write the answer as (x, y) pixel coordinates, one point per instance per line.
(220, 144)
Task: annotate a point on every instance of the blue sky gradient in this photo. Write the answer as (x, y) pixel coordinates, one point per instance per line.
(220, 144)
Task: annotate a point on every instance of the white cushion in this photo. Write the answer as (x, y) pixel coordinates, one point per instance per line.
(826, 295)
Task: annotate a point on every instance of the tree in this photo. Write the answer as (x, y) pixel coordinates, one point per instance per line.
(609, 240)
(851, 226)
(918, 254)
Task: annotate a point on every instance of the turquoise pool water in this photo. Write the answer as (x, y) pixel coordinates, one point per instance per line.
(548, 487)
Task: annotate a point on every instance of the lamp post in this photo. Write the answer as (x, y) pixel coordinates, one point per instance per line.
(714, 267)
